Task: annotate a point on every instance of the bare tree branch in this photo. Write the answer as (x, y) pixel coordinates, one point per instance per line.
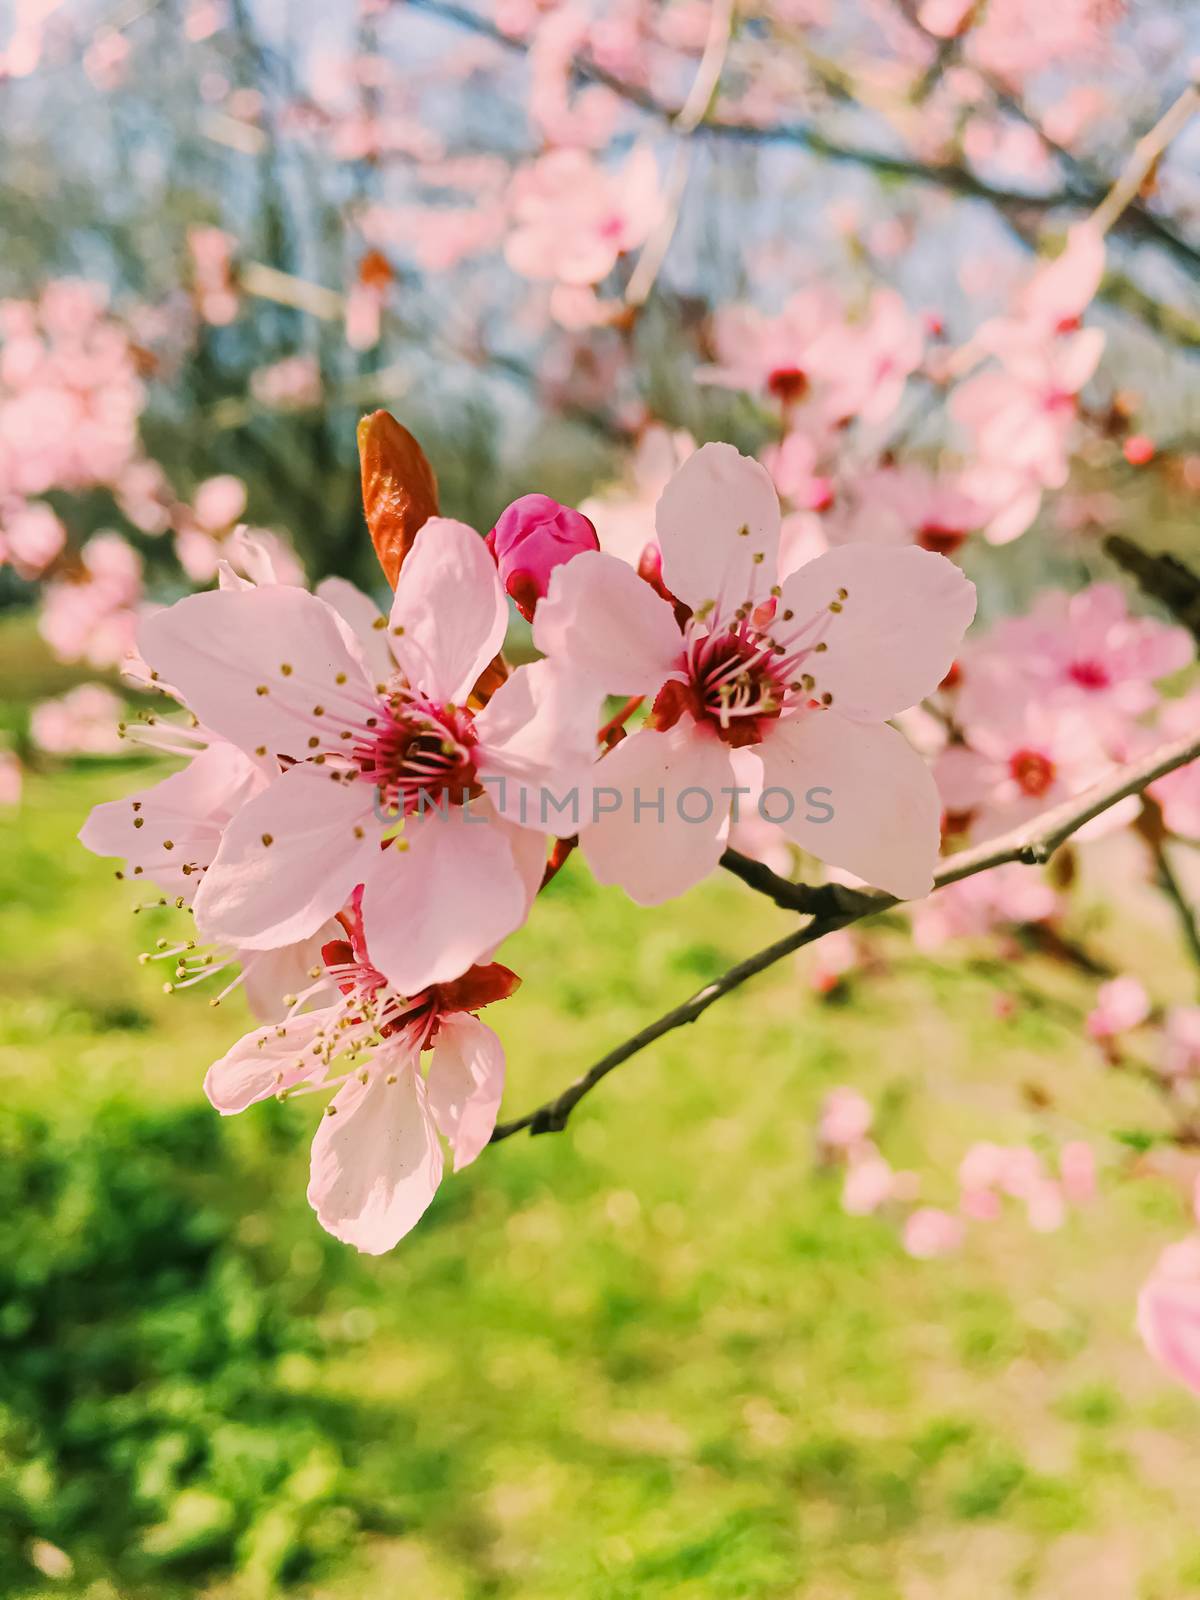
(833, 906)
(1163, 577)
(1135, 220)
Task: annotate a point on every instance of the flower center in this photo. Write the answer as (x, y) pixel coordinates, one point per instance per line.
(418, 754)
(738, 678)
(943, 541)
(1034, 772)
(1089, 674)
(788, 384)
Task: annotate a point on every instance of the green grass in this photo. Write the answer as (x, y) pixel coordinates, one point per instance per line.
(648, 1357)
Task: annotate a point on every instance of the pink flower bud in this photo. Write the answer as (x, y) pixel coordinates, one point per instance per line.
(532, 537)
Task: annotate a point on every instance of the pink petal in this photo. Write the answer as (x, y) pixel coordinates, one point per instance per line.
(219, 649)
(434, 909)
(718, 527)
(289, 860)
(1168, 1313)
(449, 616)
(268, 976)
(603, 621)
(175, 824)
(884, 825)
(656, 860)
(365, 621)
(537, 743)
(265, 1061)
(376, 1161)
(895, 636)
(466, 1084)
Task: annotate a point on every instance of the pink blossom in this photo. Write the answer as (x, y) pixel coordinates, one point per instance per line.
(1084, 650)
(532, 537)
(90, 614)
(31, 537)
(1077, 1171)
(908, 505)
(867, 363)
(779, 356)
(219, 502)
(869, 1183)
(1178, 794)
(1168, 1314)
(381, 748)
(212, 253)
(1020, 758)
(376, 1157)
(804, 672)
(81, 722)
(845, 1119)
(1121, 1003)
(984, 903)
(291, 384)
(1045, 1207)
(572, 219)
(1181, 1042)
(930, 1232)
(835, 958)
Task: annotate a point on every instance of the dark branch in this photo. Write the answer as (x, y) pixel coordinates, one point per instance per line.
(838, 907)
(1163, 577)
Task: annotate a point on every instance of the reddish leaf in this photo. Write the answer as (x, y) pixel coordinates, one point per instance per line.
(400, 490)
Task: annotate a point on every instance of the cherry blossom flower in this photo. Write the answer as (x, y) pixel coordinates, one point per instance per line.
(532, 536)
(777, 356)
(1168, 1314)
(212, 252)
(869, 1182)
(908, 505)
(167, 836)
(845, 1120)
(81, 722)
(1121, 1003)
(294, 383)
(376, 1156)
(31, 537)
(930, 1232)
(1020, 757)
(573, 219)
(982, 904)
(90, 613)
(805, 672)
(1178, 794)
(1181, 1042)
(381, 753)
(1082, 650)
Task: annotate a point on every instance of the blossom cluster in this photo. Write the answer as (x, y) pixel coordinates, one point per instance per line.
(353, 828)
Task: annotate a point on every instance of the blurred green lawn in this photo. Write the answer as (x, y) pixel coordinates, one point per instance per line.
(647, 1357)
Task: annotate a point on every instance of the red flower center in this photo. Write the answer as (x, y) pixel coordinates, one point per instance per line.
(941, 540)
(1089, 674)
(419, 755)
(1033, 772)
(732, 687)
(788, 384)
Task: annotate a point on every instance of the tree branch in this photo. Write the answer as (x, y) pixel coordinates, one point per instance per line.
(832, 907)
(1162, 577)
(951, 176)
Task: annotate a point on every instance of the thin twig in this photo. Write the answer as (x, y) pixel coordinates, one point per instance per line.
(1185, 911)
(699, 101)
(1145, 153)
(835, 907)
